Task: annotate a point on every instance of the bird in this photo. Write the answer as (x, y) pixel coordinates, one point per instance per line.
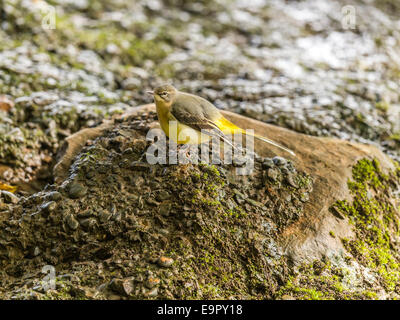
(190, 119)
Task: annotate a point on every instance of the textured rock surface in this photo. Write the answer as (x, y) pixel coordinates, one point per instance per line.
(317, 76)
(115, 227)
(328, 161)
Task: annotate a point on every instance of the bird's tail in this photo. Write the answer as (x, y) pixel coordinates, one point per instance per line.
(271, 142)
(228, 127)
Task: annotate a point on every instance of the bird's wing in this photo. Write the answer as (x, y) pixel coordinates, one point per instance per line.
(189, 111)
(194, 116)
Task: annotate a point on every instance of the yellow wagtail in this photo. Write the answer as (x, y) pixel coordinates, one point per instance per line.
(194, 120)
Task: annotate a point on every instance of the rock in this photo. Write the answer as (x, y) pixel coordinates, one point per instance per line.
(36, 251)
(9, 197)
(6, 104)
(44, 98)
(165, 208)
(140, 166)
(279, 161)
(72, 222)
(104, 216)
(287, 297)
(34, 296)
(328, 187)
(165, 262)
(163, 195)
(54, 196)
(76, 190)
(61, 82)
(88, 223)
(254, 203)
(48, 207)
(305, 197)
(126, 218)
(131, 83)
(290, 180)
(152, 201)
(268, 163)
(122, 286)
(152, 293)
(151, 282)
(273, 174)
(239, 197)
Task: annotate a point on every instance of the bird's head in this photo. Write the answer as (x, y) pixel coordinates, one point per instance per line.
(165, 94)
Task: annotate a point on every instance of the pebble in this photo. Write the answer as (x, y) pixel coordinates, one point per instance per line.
(127, 151)
(140, 166)
(165, 262)
(290, 180)
(254, 203)
(36, 251)
(90, 174)
(44, 98)
(239, 197)
(230, 204)
(153, 293)
(239, 161)
(5, 103)
(163, 195)
(49, 207)
(54, 195)
(165, 209)
(305, 197)
(152, 201)
(268, 163)
(34, 296)
(151, 282)
(104, 216)
(122, 286)
(72, 222)
(76, 190)
(88, 223)
(287, 297)
(279, 161)
(273, 174)
(131, 83)
(9, 197)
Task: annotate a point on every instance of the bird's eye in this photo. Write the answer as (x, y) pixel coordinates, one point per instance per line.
(164, 93)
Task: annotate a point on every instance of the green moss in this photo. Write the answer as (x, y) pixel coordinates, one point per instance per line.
(376, 225)
(375, 221)
(366, 173)
(395, 137)
(64, 291)
(370, 295)
(301, 292)
(304, 181)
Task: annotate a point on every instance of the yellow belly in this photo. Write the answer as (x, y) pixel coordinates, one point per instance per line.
(183, 134)
(178, 132)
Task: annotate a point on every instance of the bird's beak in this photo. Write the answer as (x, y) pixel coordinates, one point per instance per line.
(150, 92)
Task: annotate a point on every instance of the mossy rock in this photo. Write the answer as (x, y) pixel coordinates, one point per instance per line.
(220, 235)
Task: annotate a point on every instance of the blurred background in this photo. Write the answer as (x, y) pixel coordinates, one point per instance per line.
(324, 68)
